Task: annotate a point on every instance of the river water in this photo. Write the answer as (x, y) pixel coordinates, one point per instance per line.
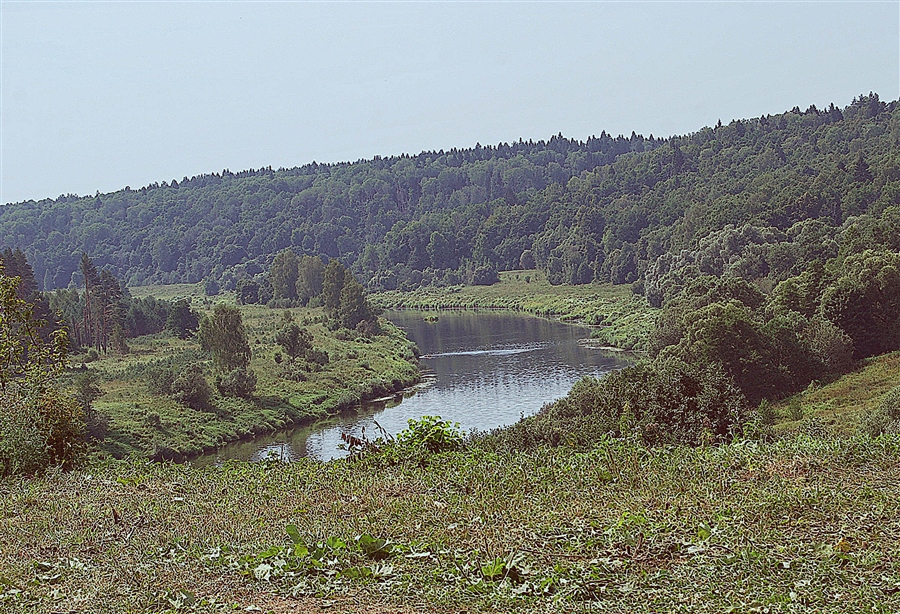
(482, 369)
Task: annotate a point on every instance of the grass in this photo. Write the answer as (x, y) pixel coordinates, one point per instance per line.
(842, 404)
(622, 319)
(169, 291)
(799, 525)
(157, 426)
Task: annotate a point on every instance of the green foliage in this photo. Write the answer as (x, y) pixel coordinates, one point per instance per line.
(294, 340)
(182, 321)
(353, 309)
(795, 409)
(886, 417)
(210, 287)
(316, 357)
(190, 388)
(223, 334)
(431, 434)
(766, 413)
(332, 285)
(283, 275)
(485, 275)
(659, 402)
(240, 382)
(160, 375)
(757, 198)
(310, 278)
(39, 425)
(86, 392)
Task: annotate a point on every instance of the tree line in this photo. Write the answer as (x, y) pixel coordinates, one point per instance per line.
(606, 209)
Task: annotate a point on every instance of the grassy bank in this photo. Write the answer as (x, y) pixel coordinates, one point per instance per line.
(795, 526)
(843, 404)
(138, 422)
(622, 319)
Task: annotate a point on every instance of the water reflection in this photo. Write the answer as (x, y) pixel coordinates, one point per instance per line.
(483, 370)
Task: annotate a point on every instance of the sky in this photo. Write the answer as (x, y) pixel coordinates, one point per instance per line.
(95, 96)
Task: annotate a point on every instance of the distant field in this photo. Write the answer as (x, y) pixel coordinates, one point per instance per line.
(168, 292)
(621, 319)
(158, 426)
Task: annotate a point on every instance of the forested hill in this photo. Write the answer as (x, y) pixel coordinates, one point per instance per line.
(227, 225)
(765, 194)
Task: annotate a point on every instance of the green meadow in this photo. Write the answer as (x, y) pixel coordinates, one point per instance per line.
(136, 421)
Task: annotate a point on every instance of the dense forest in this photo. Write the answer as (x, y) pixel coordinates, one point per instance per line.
(760, 194)
(230, 225)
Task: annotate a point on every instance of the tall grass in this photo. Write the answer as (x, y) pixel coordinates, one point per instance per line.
(799, 525)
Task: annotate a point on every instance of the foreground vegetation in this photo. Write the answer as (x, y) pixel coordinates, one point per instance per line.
(803, 524)
(622, 320)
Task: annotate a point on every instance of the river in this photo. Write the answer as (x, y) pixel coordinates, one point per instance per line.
(482, 369)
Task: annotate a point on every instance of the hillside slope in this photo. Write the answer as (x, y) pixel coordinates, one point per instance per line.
(607, 209)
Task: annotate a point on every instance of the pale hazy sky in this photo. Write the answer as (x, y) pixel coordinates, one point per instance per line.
(100, 95)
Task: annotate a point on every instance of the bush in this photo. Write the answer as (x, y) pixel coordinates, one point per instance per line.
(430, 433)
(191, 388)
(317, 357)
(294, 340)
(795, 409)
(485, 275)
(239, 382)
(292, 371)
(40, 426)
(38, 429)
(160, 379)
(86, 392)
(368, 328)
(886, 417)
(658, 402)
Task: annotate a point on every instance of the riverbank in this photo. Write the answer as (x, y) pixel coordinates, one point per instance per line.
(489, 368)
(804, 524)
(620, 318)
(134, 421)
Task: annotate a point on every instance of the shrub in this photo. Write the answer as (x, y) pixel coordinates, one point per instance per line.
(886, 417)
(485, 275)
(294, 340)
(160, 379)
(766, 413)
(86, 392)
(191, 388)
(317, 357)
(239, 382)
(795, 409)
(224, 335)
(39, 425)
(430, 433)
(368, 328)
(182, 321)
(38, 429)
(658, 402)
(292, 371)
